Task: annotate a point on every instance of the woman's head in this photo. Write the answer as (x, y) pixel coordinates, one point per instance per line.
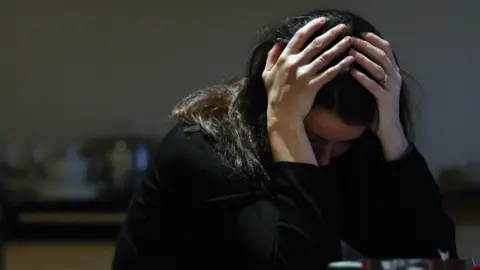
(343, 108)
(235, 114)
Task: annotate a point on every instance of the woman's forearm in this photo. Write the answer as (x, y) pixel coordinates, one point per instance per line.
(289, 141)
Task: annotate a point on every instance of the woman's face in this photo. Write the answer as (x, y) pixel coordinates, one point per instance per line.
(329, 135)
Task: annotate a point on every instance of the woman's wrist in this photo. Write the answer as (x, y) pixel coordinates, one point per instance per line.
(289, 141)
(394, 142)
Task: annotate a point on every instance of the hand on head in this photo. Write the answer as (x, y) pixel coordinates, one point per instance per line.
(293, 76)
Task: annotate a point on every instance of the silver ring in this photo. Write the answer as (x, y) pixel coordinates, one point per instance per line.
(384, 80)
(317, 43)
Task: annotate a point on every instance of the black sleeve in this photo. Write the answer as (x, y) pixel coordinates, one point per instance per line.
(287, 230)
(150, 217)
(294, 229)
(410, 221)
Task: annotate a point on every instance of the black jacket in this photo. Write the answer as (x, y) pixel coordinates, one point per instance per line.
(191, 211)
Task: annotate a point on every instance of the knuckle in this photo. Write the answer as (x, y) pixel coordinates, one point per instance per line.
(380, 71)
(327, 56)
(264, 75)
(317, 43)
(321, 60)
(370, 84)
(338, 47)
(290, 63)
(382, 55)
(281, 60)
(302, 74)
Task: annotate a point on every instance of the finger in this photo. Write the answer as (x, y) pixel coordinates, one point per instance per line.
(273, 55)
(375, 70)
(324, 60)
(381, 44)
(323, 78)
(321, 42)
(376, 54)
(303, 34)
(371, 85)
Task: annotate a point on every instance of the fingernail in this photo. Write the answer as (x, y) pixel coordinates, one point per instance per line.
(351, 51)
(363, 34)
(322, 19)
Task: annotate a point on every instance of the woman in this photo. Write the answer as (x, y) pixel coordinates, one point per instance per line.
(274, 171)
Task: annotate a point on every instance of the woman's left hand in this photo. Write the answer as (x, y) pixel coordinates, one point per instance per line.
(386, 89)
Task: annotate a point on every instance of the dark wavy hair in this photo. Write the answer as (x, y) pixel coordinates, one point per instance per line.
(234, 114)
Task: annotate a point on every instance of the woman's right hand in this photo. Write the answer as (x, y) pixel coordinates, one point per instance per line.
(293, 77)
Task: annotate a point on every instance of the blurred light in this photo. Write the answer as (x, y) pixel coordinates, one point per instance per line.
(142, 157)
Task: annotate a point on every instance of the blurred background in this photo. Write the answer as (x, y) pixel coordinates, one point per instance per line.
(86, 86)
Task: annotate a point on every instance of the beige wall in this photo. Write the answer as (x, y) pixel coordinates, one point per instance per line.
(69, 69)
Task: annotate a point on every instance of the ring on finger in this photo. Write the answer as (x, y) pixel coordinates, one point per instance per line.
(384, 79)
(317, 43)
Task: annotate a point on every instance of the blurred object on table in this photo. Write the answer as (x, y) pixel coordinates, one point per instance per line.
(403, 264)
(95, 169)
(116, 163)
(454, 179)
